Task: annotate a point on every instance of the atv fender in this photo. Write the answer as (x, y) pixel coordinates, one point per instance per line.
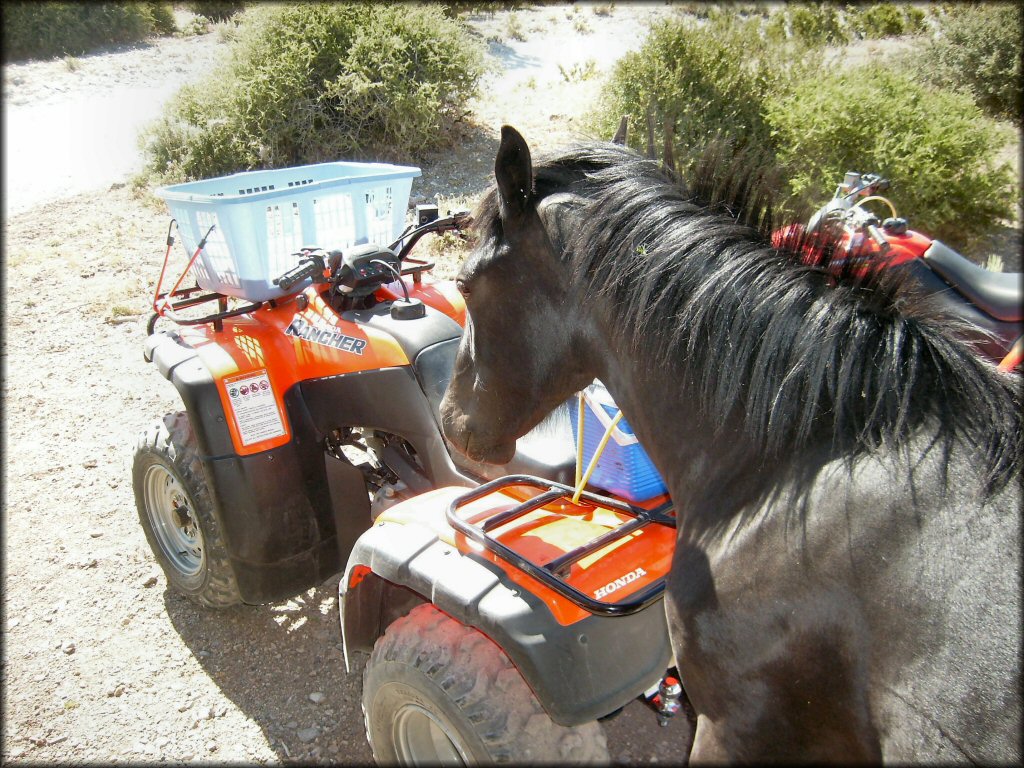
(579, 672)
(278, 519)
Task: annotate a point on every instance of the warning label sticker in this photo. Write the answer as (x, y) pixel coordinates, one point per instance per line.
(254, 407)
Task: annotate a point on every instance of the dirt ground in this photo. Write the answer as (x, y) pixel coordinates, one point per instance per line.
(101, 662)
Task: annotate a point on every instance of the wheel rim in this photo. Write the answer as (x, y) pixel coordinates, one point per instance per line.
(422, 739)
(173, 520)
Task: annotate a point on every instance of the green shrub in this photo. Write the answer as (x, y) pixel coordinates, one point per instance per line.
(162, 15)
(706, 81)
(490, 7)
(38, 30)
(216, 10)
(816, 24)
(515, 28)
(314, 82)
(879, 20)
(979, 52)
(811, 24)
(936, 147)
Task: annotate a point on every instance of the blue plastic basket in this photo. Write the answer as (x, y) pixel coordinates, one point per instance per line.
(624, 468)
(262, 218)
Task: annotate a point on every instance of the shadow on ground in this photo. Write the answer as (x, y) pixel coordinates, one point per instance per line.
(269, 659)
(1004, 242)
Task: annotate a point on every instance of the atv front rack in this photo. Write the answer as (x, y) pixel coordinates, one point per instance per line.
(554, 573)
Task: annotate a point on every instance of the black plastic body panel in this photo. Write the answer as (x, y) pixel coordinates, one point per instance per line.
(997, 294)
(278, 520)
(579, 672)
(388, 399)
(411, 335)
(281, 510)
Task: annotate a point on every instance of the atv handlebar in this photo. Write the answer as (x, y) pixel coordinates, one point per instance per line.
(311, 264)
(845, 210)
(454, 222)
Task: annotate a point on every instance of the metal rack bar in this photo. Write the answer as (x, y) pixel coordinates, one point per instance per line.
(550, 573)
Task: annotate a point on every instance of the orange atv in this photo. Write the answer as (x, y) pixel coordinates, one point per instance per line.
(507, 608)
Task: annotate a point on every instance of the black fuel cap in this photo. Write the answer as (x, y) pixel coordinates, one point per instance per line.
(895, 226)
(413, 309)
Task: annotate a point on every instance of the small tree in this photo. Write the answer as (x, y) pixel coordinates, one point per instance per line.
(315, 82)
(936, 147)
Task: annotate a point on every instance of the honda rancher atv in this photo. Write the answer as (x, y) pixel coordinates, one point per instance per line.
(506, 608)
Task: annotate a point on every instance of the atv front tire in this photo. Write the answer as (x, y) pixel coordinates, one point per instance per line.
(178, 515)
(438, 692)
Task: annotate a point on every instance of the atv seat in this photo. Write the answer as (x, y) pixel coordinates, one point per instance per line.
(548, 451)
(998, 294)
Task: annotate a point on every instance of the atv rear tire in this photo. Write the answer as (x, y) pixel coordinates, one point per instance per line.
(178, 515)
(436, 691)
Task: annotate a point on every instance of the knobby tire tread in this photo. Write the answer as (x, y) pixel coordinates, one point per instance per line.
(475, 674)
(172, 440)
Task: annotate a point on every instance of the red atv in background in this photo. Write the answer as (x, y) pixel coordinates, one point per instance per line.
(988, 304)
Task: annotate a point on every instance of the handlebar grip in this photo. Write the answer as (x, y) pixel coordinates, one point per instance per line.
(292, 276)
(878, 237)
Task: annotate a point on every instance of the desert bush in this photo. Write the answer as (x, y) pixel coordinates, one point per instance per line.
(878, 20)
(515, 28)
(886, 19)
(979, 51)
(706, 81)
(578, 72)
(308, 83)
(490, 7)
(216, 10)
(38, 30)
(810, 24)
(162, 15)
(935, 146)
(816, 24)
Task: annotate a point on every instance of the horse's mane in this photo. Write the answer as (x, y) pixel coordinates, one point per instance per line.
(795, 348)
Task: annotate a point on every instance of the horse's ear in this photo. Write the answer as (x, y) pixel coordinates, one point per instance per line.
(513, 171)
(650, 131)
(561, 215)
(620, 134)
(669, 161)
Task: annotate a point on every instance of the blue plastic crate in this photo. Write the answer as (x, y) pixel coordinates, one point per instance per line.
(262, 218)
(624, 468)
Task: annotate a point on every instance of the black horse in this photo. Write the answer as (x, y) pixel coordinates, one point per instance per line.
(846, 581)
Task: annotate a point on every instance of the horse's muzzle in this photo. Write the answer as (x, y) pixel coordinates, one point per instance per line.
(474, 443)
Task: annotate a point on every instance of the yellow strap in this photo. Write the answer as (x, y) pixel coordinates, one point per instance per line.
(581, 483)
(579, 440)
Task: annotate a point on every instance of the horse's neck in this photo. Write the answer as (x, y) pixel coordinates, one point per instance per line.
(709, 471)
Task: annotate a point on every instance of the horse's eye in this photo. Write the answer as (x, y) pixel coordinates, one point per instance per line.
(463, 288)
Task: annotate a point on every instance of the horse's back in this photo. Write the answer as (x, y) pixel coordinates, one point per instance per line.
(893, 595)
(954, 688)
(938, 573)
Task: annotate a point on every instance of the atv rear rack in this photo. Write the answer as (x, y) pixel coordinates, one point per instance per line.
(553, 574)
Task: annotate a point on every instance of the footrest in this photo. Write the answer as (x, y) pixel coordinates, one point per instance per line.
(603, 554)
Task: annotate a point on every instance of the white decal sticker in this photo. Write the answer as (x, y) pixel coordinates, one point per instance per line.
(254, 407)
(619, 583)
